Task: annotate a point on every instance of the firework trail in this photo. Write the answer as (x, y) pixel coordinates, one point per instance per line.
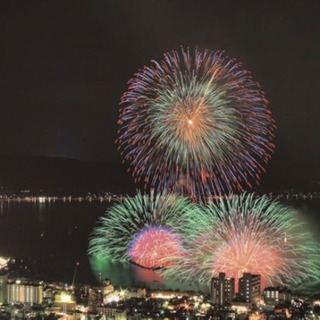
(247, 234)
(195, 124)
(144, 229)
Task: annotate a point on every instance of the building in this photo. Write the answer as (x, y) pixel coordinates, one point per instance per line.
(65, 302)
(112, 313)
(95, 297)
(275, 295)
(222, 289)
(250, 287)
(21, 291)
(135, 293)
(108, 288)
(3, 288)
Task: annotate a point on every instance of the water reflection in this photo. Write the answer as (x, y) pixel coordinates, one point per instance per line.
(127, 274)
(118, 273)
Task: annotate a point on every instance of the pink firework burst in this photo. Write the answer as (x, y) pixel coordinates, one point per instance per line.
(153, 247)
(244, 252)
(247, 234)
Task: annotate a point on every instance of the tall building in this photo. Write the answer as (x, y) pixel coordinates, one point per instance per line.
(250, 287)
(25, 292)
(3, 288)
(222, 289)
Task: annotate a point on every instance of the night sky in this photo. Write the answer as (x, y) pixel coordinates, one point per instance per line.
(65, 64)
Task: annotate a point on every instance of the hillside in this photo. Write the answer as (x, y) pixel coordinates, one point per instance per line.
(62, 176)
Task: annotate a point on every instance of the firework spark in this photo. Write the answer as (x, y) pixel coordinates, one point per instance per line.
(196, 124)
(248, 234)
(144, 229)
(152, 247)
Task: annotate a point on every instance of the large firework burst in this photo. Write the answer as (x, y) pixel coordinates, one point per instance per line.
(196, 124)
(144, 229)
(248, 234)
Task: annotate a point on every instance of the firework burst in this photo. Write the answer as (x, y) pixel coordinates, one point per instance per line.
(248, 234)
(196, 124)
(144, 229)
(152, 247)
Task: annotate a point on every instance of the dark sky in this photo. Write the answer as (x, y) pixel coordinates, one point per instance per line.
(64, 66)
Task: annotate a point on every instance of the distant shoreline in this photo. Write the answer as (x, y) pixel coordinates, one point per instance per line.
(118, 198)
(63, 199)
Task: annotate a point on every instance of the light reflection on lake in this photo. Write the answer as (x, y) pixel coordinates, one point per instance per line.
(128, 274)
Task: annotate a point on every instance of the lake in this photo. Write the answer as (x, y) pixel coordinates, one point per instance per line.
(53, 236)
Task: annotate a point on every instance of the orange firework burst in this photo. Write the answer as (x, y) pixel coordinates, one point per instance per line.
(193, 113)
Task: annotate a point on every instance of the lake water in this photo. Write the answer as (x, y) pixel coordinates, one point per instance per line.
(54, 236)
